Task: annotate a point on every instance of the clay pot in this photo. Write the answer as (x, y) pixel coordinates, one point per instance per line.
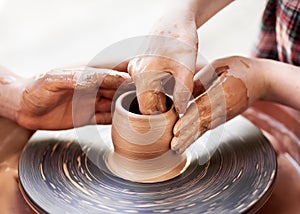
(138, 136)
(142, 142)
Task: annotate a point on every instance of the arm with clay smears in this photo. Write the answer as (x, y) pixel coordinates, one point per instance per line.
(233, 84)
(46, 101)
(173, 52)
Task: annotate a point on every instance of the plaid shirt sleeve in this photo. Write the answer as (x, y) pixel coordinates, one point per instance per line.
(279, 38)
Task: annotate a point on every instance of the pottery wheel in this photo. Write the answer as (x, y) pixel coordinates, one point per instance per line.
(59, 175)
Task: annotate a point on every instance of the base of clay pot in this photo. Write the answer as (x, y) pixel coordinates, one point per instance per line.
(165, 167)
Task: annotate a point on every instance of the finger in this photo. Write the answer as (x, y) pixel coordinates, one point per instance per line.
(182, 90)
(161, 102)
(229, 97)
(186, 137)
(113, 79)
(186, 130)
(122, 66)
(186, 120)
(152, 102)
(169, 84)
(179, 145)
(207, 75)
(58, 79)
(83, 78)
(103, 78)
(198, 88)
(106, 93)
(104, 105)
(203, 79)
(103, 118)
(150, 95)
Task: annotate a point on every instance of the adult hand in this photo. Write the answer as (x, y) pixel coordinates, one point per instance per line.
(46, 101)
(232, 84)
(171, 51)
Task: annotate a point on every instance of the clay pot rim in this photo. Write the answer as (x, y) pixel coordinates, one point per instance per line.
(140, 116)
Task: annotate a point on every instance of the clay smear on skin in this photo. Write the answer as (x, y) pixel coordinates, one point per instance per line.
(234, 94)
(233, 88)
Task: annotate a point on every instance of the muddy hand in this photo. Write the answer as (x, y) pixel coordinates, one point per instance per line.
(232, 84)
(151, 75)
(168, 55)
(47, 100)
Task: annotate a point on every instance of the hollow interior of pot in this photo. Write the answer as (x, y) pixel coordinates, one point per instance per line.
(130, 103)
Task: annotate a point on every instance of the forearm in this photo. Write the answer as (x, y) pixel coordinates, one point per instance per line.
(181, 18)
(10, 93)
(203, 10)
(198, 11)
(282, 83)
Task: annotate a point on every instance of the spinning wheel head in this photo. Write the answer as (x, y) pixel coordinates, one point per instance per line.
(61, 177)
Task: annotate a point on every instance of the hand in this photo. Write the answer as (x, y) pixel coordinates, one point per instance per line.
(170, 52)
(46, 102)
(232, 84)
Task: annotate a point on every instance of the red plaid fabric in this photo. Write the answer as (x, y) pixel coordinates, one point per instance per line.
(280, 32)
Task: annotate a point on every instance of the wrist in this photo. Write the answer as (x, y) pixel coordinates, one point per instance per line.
(178, 22)
(204, 10)
(262, 68)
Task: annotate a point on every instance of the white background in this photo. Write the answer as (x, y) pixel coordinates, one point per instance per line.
(36, 35)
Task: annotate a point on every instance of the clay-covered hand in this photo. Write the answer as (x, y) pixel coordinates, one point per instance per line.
(227, 87)
(47, 101)
(172, 49)
(169, 53)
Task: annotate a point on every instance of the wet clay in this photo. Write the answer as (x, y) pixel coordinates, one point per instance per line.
(226, 98)
(137, 136)
(164, 167)
(142, 142)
